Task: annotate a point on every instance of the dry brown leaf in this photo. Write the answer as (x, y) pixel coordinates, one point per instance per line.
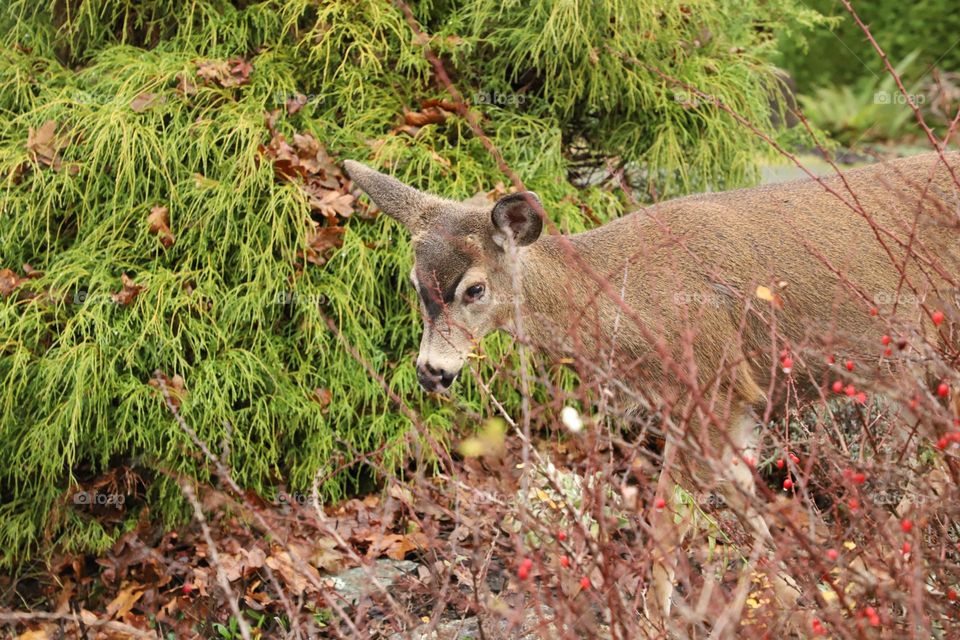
(236, 565)
(296, 103)
(215, 71)
(395, 545)
(429, 115)
(295, 575)
(323, 397)
(9, 281)
(240, 70)
(124, 601)
(44, 145)
(159, 221)
(129, 291)
(144, 101)
(331, 204)
(321, 241)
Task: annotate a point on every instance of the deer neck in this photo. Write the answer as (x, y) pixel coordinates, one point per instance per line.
(549, 281)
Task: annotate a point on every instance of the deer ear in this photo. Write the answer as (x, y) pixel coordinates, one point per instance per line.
(519, 215)
(401, 202)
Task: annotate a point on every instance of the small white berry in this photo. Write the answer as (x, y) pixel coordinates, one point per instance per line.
(571, 419)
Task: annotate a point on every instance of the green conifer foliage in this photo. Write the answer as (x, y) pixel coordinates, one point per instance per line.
(140, 189)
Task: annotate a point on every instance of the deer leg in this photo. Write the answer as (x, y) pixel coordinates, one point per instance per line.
(667, 537)
(739, 490)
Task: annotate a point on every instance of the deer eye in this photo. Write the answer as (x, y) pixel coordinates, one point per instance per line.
(473, 292)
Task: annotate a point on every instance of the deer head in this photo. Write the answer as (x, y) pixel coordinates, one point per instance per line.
(460, 270)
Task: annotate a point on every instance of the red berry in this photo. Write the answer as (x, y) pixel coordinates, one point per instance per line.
(943, 442)
(561, 536)
(951, 595)
(660, 503)
(564, 561)
(850, 390)
(874, 311)
(885, 340)
(859, 477)
(861, 398)
(906, 526)
(906, 548)
(187, 587)
(831, 359)
(849, 365)
(838, 386)
(853, 503)
(524, 570)
(788, 484)
(794, 459)
(584, 582)
(874, 620)
(833, 554)
(817, 627)
(787, 364)
(888, 352)
(780, 463)
(938, 318)
(943, 390)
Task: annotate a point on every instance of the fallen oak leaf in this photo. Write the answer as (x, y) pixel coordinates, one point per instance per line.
(321, 241)
(296, 103)
(129, 291)
(430, 115)
(144, 101)
(9, 281)
(213, 71)
(298, 577)
(237, 565)
(159, 221)
(330, 203)
(44, 145)
(395, 545)
(240, 70)
(124, 601)
(322, 396)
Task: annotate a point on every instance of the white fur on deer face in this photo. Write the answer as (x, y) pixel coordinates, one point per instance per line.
(461, 272)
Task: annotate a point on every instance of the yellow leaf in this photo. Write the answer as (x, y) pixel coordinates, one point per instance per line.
(471, 448)
(764, 293)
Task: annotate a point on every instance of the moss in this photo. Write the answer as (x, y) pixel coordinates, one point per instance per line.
(230, 305)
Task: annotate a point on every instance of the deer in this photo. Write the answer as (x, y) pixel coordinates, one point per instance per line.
(686, 293)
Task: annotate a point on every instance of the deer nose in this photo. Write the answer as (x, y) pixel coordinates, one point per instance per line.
(432, 379)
